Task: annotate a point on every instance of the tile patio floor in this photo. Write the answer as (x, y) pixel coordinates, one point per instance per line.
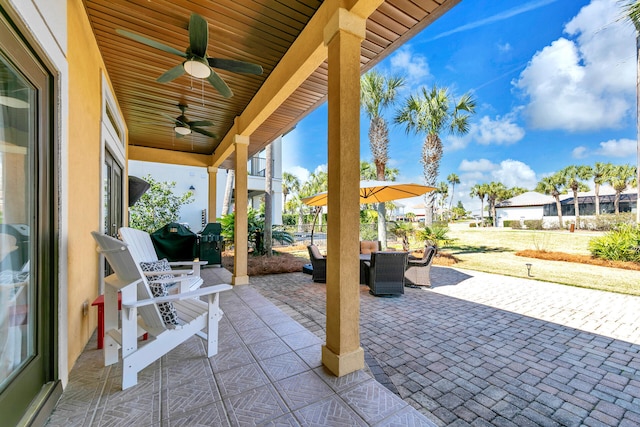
(267, 372)
(477, 349)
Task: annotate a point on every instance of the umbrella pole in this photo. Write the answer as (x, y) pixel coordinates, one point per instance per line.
(315, 218)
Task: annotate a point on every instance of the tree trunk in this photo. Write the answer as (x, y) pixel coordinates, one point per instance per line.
(616, 203)
(268, 209)
(576, 208)
(482, 211)
(559, 208)
(638, 123)
(382, 214)
(597, 191)
(227, 192)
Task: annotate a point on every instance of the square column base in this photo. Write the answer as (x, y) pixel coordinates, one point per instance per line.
(343, 364)
(240, 280)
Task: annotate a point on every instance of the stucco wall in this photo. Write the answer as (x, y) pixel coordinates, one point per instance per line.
(517, 213)
(85, 104)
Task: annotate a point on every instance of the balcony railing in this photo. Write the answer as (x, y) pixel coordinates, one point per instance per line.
(257, 166)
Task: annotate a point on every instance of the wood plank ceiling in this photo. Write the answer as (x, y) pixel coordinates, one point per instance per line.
(257, 31)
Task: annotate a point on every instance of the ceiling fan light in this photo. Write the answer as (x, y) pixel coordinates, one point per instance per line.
(182, 130)
(197, 68)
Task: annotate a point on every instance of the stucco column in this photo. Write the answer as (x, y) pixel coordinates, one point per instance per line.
(342, 353)
(241, 242)
(213, 193)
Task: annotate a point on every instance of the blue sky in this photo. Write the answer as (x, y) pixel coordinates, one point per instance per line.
(554, 82)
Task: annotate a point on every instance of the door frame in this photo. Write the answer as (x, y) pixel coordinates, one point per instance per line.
(113, 139)
(22, 47)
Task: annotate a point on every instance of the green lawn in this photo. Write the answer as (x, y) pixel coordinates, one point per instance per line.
(493, 250)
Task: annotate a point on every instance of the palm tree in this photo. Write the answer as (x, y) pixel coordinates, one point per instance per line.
(453, 179)
(573, 176)
(316, 183)
(633, 12)
(621, 177)
(268, 202)
(432, 113)
(480, 190)
(553, 185)
(368, 172)
(443, 192)
(376, 93)
(290, 184)
(496, 191)
(601, 173)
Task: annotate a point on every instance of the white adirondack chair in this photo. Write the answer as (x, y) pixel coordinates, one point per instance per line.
(140, 314)
(142, 250)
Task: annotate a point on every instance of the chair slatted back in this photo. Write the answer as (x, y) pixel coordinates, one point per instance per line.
(127, 271)
(140, 244)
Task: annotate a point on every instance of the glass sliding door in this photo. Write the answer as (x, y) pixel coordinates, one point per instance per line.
(27, 262)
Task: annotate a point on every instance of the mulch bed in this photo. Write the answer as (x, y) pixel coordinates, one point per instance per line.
(581, 259)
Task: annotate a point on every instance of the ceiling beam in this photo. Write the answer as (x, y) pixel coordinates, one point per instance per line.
(156, 155)
(306, 54)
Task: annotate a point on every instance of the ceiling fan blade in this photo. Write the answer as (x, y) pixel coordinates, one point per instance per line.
(201, 123)
(235, 66)
(176, 120)
(152, 43)
(198, 35)
(171, 74)
(217, 82)
(203, 132)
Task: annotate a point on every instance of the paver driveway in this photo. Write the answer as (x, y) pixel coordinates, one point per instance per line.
(483, 349)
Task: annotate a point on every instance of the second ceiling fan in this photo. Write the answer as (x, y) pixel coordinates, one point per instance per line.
(197, 63)
(184, 126)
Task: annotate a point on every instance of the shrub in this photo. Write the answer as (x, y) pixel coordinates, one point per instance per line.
(620, 244)
(289, 219)
(158, 206)
(435, 236)
(607, 222)
(533, 224)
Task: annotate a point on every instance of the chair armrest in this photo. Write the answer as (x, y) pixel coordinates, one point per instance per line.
(176, 297)
(173, 272)
(174, 279)
(188, 263)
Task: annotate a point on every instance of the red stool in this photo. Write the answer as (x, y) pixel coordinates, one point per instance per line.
(100, 303)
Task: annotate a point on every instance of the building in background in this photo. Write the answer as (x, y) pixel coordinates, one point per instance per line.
(196, 179)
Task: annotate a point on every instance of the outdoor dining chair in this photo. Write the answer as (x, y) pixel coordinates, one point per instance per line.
(386, 273)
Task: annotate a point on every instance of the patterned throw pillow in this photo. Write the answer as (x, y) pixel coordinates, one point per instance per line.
(167, 310)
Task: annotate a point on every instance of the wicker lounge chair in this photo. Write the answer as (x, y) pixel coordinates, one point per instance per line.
(418, 271)
(319, 263)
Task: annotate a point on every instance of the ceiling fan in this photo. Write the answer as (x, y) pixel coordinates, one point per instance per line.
(184, 126)
(197, 63)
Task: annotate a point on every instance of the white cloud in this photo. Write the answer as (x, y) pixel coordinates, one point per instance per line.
(587, 83)
(506, 47)
(300, 172)
(499, 131)
(321, 168)
(514, 173)
(580, 152)
(482, 165)
(413, 66)
(618, 148)
(613, 148)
